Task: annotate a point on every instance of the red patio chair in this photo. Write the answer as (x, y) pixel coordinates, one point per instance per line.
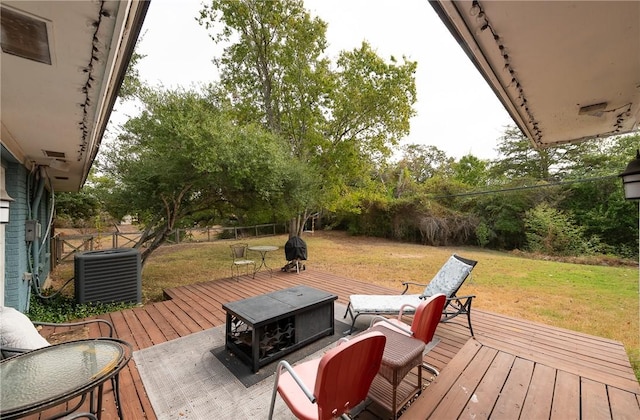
(425, 320)
(424, 324)
(341, 379)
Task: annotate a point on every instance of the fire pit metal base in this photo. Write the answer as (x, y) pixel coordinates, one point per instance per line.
(262, 329)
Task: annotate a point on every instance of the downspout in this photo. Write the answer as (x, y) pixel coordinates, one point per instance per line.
(35, 245)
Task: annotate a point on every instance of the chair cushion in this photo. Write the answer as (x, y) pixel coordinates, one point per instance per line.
(17, 331)
(293, 395)
(243, 262)
(449, 278)
(383, 304)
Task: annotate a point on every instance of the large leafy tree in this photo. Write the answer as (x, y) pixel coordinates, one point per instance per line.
(596, 200)
(518, 160)
(272, 68)
(424, 161)
(340, 120)
(183, 156)
(79, 207)
(471, 171)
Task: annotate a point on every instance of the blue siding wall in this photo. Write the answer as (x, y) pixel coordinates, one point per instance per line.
(16, 262)
(17, 250)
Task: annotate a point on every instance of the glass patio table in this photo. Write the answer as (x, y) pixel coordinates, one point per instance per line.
(44, 378)
(263, 249)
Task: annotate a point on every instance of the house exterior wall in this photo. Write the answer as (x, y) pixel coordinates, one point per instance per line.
(57, 132)
(18, 252)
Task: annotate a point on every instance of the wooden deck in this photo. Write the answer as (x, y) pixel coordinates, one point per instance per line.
(512, 369)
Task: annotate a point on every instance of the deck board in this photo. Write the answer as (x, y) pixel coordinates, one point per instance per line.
(624, 404)
(489, 389)
(537, 404)
(567, 392)
(502, 373)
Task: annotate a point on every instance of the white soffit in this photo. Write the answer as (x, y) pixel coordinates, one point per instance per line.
(565, 71)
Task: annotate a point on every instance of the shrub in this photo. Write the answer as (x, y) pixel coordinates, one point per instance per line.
(61, 308)
(550, 231)
(484, 234)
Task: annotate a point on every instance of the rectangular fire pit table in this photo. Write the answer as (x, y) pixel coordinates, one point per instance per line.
(264, 328)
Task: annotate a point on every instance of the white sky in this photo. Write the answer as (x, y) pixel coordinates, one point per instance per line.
(456, 110)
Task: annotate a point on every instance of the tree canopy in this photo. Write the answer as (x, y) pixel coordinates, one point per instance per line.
(182, 157)
(340, 119)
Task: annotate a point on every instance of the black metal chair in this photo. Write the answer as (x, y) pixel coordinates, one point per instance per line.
(447, 280)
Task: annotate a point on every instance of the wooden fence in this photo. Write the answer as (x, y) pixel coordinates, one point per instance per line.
(64, 247)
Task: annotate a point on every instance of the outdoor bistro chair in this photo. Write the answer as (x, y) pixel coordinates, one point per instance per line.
(447, 281)
(339, 381)
(239, 255)
(405, 350)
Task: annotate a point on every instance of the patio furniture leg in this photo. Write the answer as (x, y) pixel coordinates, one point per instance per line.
(353, 319)
(468, 308)
(115, 383)
(430, 368)
(348, 311)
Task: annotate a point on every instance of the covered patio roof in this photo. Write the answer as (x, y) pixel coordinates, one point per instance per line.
(62, 65)
(566, 71)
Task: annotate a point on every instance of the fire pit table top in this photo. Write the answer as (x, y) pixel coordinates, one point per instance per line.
(265, 308)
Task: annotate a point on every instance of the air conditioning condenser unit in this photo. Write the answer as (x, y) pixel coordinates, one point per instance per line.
(108, 276)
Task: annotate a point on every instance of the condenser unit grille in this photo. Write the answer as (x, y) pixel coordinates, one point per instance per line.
(108, 276)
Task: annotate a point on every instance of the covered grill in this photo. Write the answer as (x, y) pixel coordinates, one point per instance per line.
(295, 250)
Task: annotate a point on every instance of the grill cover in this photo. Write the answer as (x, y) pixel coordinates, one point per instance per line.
(295, 248)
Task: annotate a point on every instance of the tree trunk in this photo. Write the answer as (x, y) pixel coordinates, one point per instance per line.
(296, 224)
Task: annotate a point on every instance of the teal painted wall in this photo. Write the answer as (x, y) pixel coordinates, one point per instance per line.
(21, 186)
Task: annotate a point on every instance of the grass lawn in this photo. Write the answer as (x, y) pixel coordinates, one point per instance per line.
(594, 299)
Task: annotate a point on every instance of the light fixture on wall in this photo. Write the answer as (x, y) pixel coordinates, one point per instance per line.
(631, 184)
(631, 179)
(5, 200)
(594, 110)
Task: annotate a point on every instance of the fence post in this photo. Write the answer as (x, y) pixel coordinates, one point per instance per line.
(54, 253)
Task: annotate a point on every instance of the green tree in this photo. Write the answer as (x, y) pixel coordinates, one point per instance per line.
(597, 202)
(471, 171)
(424, 161)
(77, 207)
(132, 85)
(503, 214)
(340, 122)
(272, 72)
(518, 159)
(182, 156)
